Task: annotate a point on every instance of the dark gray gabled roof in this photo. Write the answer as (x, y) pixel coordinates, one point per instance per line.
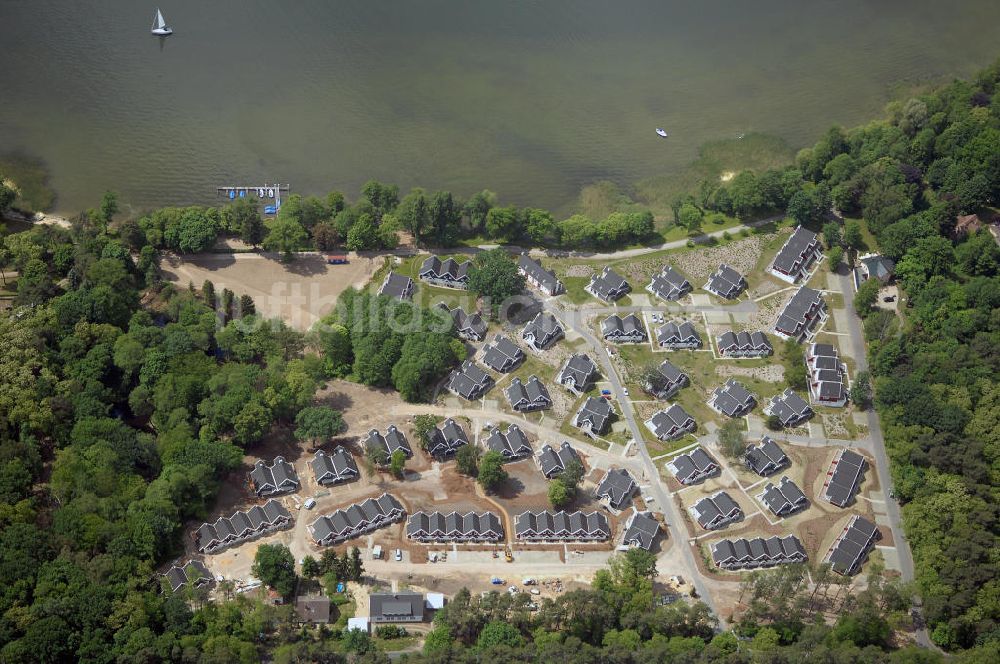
(193, 572)
(448, 438)
(852, 546)
(472, 326)
(630, 325)
(502, 355)
(392, 440)
(670, 372)
(536, 272)
(673, 332)
(278, 477)
(396, 606)
(544, 328)
(641, 530)
(783, 498)
(397, 286)
(669, 419)
(617, 487)
(726, 282)
(845, 478)
(766, 457)
(790, 257)
(511, 443)
(596, 411)
(879, 267)
(579, 367)
(669, 284)
(789, 407)
(469, 381)
(732, 398)
(334, 466)
(532, 393)
(553, 461)
(608, 285)
(435, 268)
(795, 314)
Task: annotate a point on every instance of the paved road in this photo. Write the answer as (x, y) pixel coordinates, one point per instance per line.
(877, 447)
(674, 522)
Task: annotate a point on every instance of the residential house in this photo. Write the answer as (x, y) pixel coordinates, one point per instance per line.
(241, 527)
(783, 499)
(552, 462)
(793, 260)
(313, 609)
(789, 407)
(667, 381)
(397, 286)
(616, 488)
(503, 356)
(751, 554)
(454, 527)
(693, 467)
(334, 468)
(843, 480)
(641, 530)
(671, 423)
(193, 573)
(726, 282)
(273, 479)
(803, 313)
(355, 520)
(546, 526)
(593, 416)
(447, 273)
(539, 277)
(526, 397)
(469, 381)
(669, 284)
(577, 373)
(511, 444)
(732, 399)
(627, 330)
(826, 375)
(396, 607)
(543, 331)
(852, 546)
(716, 511)
(744, 344)
(874, 266)
(676, 335)
(470, 328)
(392, 440)
(765, 458)
(446, 439)
(608, 285)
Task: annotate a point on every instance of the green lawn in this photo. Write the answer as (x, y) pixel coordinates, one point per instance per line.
(575, 292)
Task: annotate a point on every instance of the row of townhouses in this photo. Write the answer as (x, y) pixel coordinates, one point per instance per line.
(454, 527)
(241, 527)
(546, 526)
(358, 519)
(757, 552)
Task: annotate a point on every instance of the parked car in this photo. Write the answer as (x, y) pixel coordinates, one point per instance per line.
(496, 581)
(889, 298)
(398, 555)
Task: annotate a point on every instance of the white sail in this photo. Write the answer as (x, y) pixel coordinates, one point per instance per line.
(159, 24)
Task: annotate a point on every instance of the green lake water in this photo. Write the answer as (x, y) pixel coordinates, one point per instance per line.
(533, 100)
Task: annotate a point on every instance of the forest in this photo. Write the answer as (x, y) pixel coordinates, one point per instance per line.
(124, 399)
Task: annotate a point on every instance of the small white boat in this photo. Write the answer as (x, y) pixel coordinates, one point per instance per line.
(661, 132)
(160, 27)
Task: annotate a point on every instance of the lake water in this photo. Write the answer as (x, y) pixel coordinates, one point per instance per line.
(530, 99)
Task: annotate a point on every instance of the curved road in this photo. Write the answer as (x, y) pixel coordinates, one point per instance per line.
(667, 503)
(877, 447)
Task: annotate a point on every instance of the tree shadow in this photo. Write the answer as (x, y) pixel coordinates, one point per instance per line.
(510, 489)
(307, 266)
(337, 400)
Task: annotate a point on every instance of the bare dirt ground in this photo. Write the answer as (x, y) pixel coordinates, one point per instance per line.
(768, 310)
(299, 293)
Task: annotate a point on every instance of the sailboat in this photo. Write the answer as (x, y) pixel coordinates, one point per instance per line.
(160, 27)
(661, 132)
